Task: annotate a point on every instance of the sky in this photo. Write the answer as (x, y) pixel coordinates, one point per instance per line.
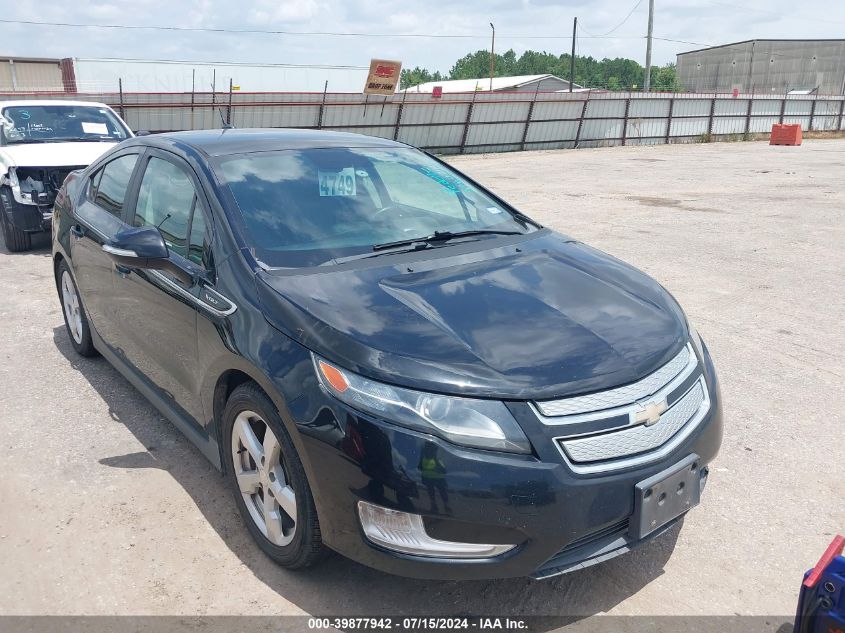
(604, 31)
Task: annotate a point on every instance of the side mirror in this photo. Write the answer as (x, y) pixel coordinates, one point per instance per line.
(144, 247)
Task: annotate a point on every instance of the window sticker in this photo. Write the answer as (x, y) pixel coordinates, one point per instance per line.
(94, 128)
(337, 183)
(494, 210)
(445, 180)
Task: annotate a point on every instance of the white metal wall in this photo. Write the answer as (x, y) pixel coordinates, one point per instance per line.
(485, 122)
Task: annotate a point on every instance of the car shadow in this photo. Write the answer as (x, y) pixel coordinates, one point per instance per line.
(338, 586)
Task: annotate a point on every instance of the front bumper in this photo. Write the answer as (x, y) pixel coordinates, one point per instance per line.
(32, 218)
(560, 520)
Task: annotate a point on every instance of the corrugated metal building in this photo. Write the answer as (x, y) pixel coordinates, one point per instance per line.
(517, 83)
(28, 74)
(766, 66)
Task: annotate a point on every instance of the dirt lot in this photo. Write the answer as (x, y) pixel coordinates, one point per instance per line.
(106, 509)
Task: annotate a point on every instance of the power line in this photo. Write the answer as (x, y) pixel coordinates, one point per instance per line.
(131, 60)
(295, 33)
(625, 19)
(668, 39)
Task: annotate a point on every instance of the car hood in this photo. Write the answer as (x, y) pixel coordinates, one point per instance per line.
(545, 317)
(54, 154)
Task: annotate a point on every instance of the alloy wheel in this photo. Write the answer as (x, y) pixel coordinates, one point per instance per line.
(73, 312)
(262, 480)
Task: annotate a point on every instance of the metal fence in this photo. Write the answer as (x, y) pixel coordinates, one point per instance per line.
(484, 121)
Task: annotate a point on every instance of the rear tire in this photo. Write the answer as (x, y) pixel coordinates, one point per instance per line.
(76, 321)
(16, 240)
(268, 480)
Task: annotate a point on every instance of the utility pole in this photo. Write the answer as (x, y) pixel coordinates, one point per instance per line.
(492, 55)
(647, 82)
(572, 56)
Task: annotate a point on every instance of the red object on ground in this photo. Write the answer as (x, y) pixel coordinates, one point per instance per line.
(785, 134)
(834, 549)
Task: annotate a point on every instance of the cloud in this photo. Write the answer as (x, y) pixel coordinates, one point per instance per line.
(289, 11)
(696, 21)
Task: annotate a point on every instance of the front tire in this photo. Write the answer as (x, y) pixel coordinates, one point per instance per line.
(16, 240)
(76, 321)
(268, 480)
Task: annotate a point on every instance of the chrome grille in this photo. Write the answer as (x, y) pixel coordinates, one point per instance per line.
(630, 425)
(620, 395)
(641, 438)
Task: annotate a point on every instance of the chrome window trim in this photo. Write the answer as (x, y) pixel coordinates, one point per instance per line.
(195, 300)
(644, 390)
(641, 459)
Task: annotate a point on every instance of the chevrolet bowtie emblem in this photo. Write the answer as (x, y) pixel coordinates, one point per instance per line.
(650, 413)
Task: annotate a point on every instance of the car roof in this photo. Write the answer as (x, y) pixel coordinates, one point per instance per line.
(48, 102)
(241, 141)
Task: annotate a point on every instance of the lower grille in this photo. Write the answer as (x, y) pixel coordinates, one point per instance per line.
(621, 527)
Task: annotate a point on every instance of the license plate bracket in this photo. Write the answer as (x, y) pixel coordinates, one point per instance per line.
(665, 496)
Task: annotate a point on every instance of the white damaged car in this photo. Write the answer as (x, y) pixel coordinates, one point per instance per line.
(41, 142)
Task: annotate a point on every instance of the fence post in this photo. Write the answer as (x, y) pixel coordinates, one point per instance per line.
(193, 90)
(322, 106)
(669, 120)
(712, 112)
(782, 109)
(399, 116)
(748, 117)
(581, 122)
(467, 123)
(812, 114)
(841, 112)
(625, 121)
(528, 118)
(229, 107)
(120, 89)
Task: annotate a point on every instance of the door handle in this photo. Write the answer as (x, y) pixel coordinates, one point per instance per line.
(122, 270)
(76, 230)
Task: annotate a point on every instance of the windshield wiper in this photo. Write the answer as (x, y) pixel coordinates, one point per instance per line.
(82, 139)
(63, 139)
(416, 244)
(26, 141)
(408, 246)
(443, 236)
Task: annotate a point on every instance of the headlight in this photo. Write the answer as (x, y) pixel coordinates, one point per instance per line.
(696, 341)
(465, 421)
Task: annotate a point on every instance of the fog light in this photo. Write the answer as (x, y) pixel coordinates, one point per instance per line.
(405, 532)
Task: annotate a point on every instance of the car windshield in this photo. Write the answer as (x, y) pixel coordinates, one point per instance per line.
(316, 206)
(58, 123)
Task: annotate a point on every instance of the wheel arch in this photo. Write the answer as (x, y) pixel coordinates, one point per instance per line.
(227, 381)
(58, 258)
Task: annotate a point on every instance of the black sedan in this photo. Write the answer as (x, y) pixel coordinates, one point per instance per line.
(385, 358)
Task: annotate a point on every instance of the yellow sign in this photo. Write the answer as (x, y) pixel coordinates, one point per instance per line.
(236, 87)
(383, 77)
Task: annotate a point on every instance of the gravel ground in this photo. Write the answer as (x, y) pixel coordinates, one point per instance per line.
(107, 509)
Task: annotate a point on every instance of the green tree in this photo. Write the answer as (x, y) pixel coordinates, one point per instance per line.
(408, 77)
(614, 74)
(665, 78)
(473, 65)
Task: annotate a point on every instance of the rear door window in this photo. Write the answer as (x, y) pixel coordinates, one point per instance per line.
(108, 188)
(112, 183)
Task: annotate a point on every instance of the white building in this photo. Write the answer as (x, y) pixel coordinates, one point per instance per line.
(518, 83)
